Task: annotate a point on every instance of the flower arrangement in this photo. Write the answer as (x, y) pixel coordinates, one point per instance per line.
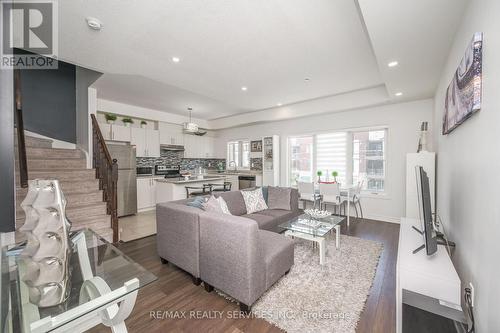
(143, 123)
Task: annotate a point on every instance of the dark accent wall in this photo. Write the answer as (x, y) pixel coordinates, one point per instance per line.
(49, 101)
(7, 197)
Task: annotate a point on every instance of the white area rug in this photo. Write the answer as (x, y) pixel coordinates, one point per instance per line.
(329, 298)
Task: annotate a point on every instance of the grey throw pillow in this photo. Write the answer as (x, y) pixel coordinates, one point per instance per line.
(279, 197)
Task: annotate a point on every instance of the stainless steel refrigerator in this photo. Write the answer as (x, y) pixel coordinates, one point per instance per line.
(127, 182)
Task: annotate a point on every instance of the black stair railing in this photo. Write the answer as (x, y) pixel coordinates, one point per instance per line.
(21, 142)
(107, 173)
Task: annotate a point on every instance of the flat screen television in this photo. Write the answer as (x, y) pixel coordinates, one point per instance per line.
(425, 212)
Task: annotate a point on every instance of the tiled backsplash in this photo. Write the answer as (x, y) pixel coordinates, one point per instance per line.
(168, 158)
(256, 164)
(175, 158)
(206, 163)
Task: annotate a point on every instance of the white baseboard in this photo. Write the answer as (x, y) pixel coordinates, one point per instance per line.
(382, 218)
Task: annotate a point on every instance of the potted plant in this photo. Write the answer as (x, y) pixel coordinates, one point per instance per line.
(319, 174)
(335, 175)
(110, 118)
(143, 124)
(127, 121)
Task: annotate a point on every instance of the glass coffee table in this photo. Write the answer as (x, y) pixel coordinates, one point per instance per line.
(104, 285)
(315, 230)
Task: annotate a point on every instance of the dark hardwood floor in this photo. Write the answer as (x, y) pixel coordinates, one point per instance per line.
(174, 291)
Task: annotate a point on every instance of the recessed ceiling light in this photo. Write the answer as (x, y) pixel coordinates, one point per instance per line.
(176, 59)
(399, 94)
(94, 23)
(393, 64)
(244, 88)
(307, 79)
(279, 104)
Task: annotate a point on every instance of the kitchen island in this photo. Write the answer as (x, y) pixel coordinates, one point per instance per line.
(171, 189)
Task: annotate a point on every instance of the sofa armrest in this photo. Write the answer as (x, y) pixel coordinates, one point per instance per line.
(178, 230)
(231, 259)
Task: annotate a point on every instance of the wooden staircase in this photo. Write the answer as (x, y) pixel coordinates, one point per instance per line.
(85, 207)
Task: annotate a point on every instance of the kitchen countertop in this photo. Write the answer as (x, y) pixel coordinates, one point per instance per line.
(150, 176)
(191, 180)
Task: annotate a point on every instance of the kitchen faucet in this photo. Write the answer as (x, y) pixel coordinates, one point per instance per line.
(233, 162)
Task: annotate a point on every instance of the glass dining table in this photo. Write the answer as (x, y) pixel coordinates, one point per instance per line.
(104, 284)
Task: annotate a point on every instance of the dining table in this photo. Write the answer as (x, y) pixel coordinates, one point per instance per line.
(345, 190)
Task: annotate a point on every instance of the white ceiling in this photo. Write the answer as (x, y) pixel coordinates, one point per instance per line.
(416, 33)
(269, 46)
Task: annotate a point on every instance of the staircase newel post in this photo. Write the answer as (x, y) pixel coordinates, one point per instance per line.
(114, 200)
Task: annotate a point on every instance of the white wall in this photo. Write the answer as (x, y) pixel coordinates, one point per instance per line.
(468, 180)
(403, 121)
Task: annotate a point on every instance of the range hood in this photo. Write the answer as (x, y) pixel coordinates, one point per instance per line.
(172, 147)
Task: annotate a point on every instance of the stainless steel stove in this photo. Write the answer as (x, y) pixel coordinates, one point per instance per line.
(168, 172)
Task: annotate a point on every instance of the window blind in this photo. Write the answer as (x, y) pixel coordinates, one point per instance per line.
(331, 151)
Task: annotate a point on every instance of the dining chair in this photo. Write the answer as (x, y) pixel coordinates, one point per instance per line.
(355, 198)
(330, 194)
(307, 193)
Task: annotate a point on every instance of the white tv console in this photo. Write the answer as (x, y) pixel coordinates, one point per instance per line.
(430, 283)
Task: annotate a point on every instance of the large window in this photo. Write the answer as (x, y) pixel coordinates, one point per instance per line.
(238, 154)
(357, 156)
(301, 159)
(368, 159)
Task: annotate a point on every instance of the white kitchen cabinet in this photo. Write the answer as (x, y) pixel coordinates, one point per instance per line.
(171, 134)
(144, 193)
(113, 132)
(235, 183)
(199, 146)
(209, 146)
(120, 133)
(138, 138)
(258, 180)
(190, 147)
(147, 142)
(153, 143)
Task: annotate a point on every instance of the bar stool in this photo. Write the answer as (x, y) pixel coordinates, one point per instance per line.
(194, 191)
(226, 187)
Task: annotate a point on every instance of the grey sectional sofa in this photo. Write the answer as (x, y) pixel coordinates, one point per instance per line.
(240, 254)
